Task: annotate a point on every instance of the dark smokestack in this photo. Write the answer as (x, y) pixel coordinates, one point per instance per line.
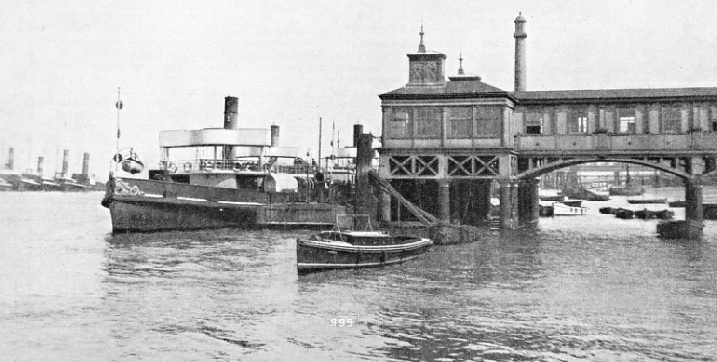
(65, 162)
(274, 136)
(40, 161)
(521, 73)
(86, 164)
(10, 159)
(231, 106)
(358, 130)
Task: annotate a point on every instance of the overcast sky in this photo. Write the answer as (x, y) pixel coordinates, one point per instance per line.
(291, 62)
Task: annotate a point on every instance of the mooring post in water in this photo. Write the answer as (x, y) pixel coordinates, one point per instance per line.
(365, 202)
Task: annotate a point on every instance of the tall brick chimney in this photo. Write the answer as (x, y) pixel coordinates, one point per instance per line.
(521, 73)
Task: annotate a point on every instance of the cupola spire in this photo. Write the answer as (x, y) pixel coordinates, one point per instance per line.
(460, 64)
(421, 47)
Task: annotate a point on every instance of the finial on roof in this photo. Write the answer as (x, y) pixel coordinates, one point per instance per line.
(460, 66)
(421, 47)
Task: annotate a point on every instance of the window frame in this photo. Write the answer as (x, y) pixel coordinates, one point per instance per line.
(488, 121)
(466, 117)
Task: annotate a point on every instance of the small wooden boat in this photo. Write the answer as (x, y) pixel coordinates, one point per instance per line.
(626, 191)
(560, 208)
(608, 210)
(647, 201)
(558, 198)
(581, 193)
(353, 244)
(624, 214)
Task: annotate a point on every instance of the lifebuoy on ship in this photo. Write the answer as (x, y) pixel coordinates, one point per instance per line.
(172, 167)
(187, 167)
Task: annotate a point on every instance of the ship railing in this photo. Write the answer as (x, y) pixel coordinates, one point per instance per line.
(211, 165)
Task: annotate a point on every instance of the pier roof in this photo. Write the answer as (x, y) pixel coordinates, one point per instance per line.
(469, 88)
(615, 95)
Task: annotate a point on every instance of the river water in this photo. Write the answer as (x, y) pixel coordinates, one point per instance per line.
(581, 288)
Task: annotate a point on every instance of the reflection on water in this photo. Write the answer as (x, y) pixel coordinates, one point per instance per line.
(576, 288)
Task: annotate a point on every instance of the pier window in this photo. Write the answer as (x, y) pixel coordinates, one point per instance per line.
(399, 123)
(489, 121)
(460, 121)
(428, 122)
(534, 121)
(671, 118)
(578, 120)
(627, 120)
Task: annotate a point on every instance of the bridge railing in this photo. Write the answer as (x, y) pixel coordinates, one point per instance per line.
(618, 142)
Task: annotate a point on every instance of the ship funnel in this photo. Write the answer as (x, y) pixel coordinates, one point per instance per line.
(358, 130)
(40, 161)
(231, 106)
(85, 165)
(10, 165)
(274, 136)
(65, 162)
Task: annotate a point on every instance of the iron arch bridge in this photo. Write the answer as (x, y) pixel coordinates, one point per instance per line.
(687, 168)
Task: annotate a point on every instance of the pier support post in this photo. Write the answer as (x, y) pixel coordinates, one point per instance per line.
(508, 204)
(533, 200)
(385, 207)
(528, 202)
(692, 227)
(444, 200)
(693, 198)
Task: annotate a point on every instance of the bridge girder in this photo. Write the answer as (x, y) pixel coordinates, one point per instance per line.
(556, 163)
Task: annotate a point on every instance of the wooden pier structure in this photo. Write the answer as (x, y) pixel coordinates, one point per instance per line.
(450, 147)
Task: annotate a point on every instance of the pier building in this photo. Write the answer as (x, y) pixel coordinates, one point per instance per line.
(450, 145)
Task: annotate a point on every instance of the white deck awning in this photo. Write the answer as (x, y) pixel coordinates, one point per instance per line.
(252, 137)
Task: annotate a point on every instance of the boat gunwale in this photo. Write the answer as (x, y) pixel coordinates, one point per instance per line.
(354, 266)
(331, 245)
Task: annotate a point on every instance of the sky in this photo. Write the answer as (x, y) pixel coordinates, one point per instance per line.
(293, 62)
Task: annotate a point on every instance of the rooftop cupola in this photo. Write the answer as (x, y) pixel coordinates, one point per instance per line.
(426, 68)
(462, 76)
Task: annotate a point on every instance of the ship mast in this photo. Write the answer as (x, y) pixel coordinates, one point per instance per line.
(117, 146)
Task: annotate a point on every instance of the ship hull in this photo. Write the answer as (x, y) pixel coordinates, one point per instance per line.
(143, 214)
(147, 206)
